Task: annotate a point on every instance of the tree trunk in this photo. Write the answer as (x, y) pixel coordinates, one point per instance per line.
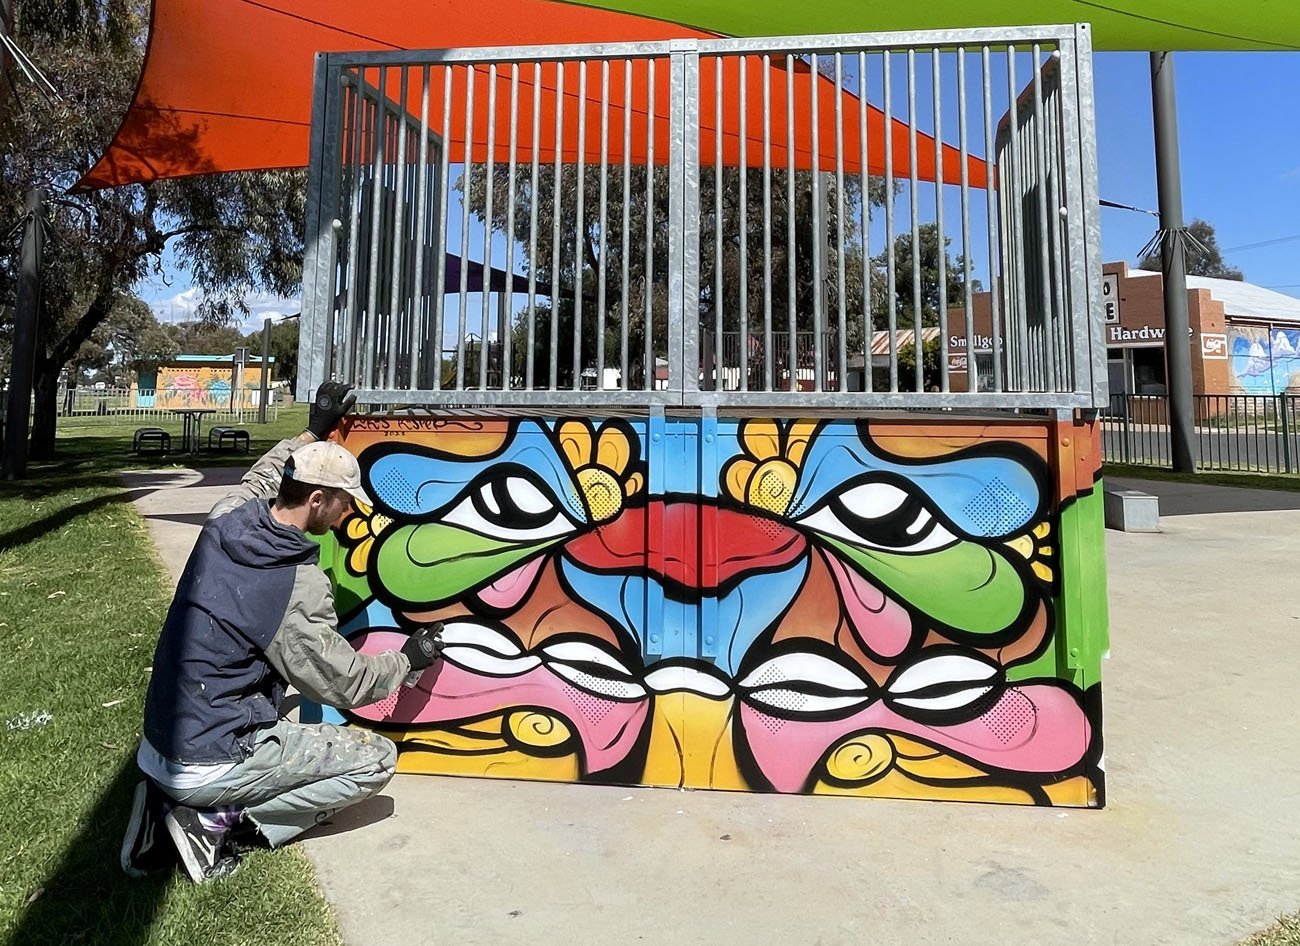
(46, 390)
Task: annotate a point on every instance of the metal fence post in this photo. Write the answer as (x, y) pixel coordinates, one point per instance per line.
(1285, 426)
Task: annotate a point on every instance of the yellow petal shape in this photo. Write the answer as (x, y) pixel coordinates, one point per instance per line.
(633, 485)
(613, 451)
(761, 438)
(738, 472)
(575, 441)
(797, 439)
(772, 487)
(602, 491)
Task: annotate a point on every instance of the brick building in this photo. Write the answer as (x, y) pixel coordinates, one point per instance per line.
(1245, 339)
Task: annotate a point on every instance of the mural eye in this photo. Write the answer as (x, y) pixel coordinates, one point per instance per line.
(510, 505)
(884, 516)
(803, 684)
(945, 683)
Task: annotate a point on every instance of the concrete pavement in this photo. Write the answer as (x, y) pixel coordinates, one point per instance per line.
(1198, 843)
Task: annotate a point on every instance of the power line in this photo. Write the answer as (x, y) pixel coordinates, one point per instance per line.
(1262, 243)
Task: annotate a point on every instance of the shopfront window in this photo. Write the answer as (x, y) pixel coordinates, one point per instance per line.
(1148, 370)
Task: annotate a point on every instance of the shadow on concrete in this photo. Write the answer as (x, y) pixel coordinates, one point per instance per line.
(1194, 499)
(87, 898)
(185, 518)
(361, 815)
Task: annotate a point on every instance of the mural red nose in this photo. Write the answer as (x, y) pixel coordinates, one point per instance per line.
(693, 546)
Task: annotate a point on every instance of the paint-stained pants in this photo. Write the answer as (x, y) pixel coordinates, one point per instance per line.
(298, 776)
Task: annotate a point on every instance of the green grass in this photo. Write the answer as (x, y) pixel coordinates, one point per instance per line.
(1210, 478)
(82, 596)
(89, 450)
(1286, 932)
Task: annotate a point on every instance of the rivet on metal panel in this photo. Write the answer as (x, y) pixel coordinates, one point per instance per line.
(708, 641)
(654, 638)
(1065, 441)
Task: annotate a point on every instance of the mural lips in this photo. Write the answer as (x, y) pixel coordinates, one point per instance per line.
(692, 549)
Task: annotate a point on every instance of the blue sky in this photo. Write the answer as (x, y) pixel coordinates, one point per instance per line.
(1239, 125)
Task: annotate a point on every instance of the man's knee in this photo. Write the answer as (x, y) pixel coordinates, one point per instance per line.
(380, 754)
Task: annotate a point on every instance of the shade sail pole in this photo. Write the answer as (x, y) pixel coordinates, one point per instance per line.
(1169, 183)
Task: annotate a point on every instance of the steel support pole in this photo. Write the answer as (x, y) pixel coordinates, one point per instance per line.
(27, 313)
(266, 370)
(1178, 355)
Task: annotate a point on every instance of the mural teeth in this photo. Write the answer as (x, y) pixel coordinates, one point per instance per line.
(803, 667)
(471, 658)
(692, 679)
(948, 681)
(593, 683)
(480, 636)
(582, 652)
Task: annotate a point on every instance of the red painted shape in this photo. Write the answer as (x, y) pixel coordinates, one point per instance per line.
(692, 545)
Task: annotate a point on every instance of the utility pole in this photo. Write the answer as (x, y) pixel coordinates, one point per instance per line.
(266, 368)
(26, 317)
(1173, 236)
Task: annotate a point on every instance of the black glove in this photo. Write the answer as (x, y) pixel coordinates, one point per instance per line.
(424, 645)
(333, 400)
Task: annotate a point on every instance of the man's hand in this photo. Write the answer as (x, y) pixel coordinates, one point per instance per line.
(424, 646)
(333, 401)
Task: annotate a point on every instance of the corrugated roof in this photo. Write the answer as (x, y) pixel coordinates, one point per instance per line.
(1243, 299)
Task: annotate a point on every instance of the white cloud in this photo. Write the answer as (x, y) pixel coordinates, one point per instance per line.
(182, 306)
(1291, 175)
(1282, 344)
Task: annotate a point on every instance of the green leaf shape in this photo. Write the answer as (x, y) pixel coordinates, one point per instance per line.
(432, 563)
(966, 586)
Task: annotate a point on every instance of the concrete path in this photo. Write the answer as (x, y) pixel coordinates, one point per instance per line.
(1197, 846)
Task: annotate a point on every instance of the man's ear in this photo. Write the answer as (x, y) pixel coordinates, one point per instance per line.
(316, 497)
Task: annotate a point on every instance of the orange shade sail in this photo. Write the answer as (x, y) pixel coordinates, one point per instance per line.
(227, 86)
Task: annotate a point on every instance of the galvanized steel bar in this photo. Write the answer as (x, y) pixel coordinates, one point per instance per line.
(396, 302)
(348, 330)
(914, 195)
(553, 339)
(769, 353)
(1042, 172)
(419, 314)
(685, 137)
(624, 381)
(1013, 186)
(718, 360)
(819, 239)
(891, 272)
(942, 250)
(506, 330)
(440, 244)
(466, 165)
(842, 322)
(864, 179)
(534, 169)
(792, 275)
(742, 173)
(377, 192)
(580, 224)
(651, 380)
(604, 224)
(489, 167)
(991, 214)
(968, 302)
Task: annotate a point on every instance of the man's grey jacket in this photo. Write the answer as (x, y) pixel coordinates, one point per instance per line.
(253, 611)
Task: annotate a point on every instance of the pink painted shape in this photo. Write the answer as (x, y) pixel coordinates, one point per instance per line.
(1035, 728)
(506, 592)
(445, 693)
(882, 624)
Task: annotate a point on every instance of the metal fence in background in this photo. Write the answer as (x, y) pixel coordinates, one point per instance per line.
(1242, 432)
(648, 203)
(106, 407)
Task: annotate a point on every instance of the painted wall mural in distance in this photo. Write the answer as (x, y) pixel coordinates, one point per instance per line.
(816, 606)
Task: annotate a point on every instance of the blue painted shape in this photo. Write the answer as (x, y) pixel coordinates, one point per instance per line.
(418, 483)
(983, 496)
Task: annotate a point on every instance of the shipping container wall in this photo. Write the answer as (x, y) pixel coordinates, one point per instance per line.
(908, 607)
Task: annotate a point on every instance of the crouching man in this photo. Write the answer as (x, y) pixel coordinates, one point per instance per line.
(253, 612)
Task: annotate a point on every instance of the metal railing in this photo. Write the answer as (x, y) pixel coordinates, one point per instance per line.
(627, 203)
(1240, 432)
(97, 407)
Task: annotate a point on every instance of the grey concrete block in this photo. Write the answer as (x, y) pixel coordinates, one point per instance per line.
(1130, 510)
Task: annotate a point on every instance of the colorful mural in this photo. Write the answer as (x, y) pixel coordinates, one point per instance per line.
(1265, 360)
(181, 386)
(824, 606)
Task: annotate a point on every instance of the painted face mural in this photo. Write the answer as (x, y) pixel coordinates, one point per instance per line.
(794, 606)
